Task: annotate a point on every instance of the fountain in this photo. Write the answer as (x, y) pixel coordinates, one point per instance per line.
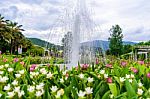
(78, 29)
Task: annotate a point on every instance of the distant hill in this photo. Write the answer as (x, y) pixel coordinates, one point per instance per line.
(42, 43)
(96, 43)
(105, 44)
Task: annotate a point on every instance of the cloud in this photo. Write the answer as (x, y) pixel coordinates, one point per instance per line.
(39, 17)
(10, 12)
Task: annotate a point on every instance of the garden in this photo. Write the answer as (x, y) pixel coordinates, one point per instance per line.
(118, 79)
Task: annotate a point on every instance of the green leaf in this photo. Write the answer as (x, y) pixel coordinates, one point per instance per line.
(93, 67)
(141, 70)
(75, 95)
(64, 97)
(97, 96)
(130, 91)
(79, 67)
(121, 95)
(113, 89)
(106, 95)
(46, 94)
(135, 85)
(93, 75)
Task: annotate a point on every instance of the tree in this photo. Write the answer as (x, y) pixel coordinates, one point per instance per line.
(15, 30)
(116, 44)
(11, 36)
(127, 49)
(4, 34)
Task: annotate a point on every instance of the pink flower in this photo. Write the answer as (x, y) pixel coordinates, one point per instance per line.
(5, 60)
(67, 75)
(22, 63)
(48, 65)
(85, 66)
(16, 59)
(97, 61)
(33, 66)
(0, 52)
(76, 68)
(109, 80)
(123, 63)
(141, 62)
(109, 65)
(148, 75)
(134, 70)
(31, 69)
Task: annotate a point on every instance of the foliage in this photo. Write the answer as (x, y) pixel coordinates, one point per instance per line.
(120, 79)
(116, 44)
(127, 49)
(43, 43)
(11, 36)
(36, 51)
(144, 43)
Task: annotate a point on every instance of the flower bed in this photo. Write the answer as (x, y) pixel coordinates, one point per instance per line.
(116, 80)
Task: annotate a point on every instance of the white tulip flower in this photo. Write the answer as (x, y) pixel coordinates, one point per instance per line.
(3, 79)
(1, 67)
(88, 90)
(40, 86)
(49, 75)
(31, 88)
(105, 75)
(130, 80)
(6, 65)
(36, 73)
(140, 84)
(38, 93)
(102, 71)
(7, 87)
(90, 80)
(81, 76)
(21, 72)
(10, 69)
(1, 72)
(111, 96)
(20, 93)
(0, 95)
(132, 76)
(140, 91)
(43, 71)
(62, 80)
(18, 75)
(59, 93)
(81, 93)
(17, 89)
(15, 82)
(11, 94)
(127, 76)
(65, 72)
(122, 79)
(32, 74)
(54, 88)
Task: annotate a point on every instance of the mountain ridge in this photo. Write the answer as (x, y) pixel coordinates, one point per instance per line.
(96, 43)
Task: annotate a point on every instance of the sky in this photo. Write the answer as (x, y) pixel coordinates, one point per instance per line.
(40, 17)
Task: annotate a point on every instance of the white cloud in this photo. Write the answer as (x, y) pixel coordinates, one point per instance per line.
(39, 16)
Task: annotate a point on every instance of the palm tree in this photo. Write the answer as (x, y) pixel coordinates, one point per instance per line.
(15, 30)
(4, 34)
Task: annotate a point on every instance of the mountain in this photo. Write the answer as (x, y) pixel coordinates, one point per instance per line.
(43, 43)
(105, 44)
(95, 43)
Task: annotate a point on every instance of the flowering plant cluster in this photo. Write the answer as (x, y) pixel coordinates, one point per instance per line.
(116, 80)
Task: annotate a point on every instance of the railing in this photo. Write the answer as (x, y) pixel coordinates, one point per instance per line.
(143, 47)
